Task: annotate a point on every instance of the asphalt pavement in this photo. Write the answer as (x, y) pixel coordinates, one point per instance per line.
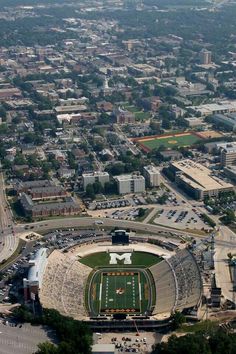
(24, 340)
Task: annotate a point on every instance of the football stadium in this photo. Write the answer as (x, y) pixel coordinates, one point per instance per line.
(169, 141)
(100, 281)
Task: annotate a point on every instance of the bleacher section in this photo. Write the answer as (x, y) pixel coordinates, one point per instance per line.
(165, 287)
(63, 285)
(178, 283)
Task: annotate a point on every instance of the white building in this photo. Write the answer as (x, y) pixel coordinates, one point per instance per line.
(133, 183)
(103, 349)
(227, 153)
(32, 283)
(221, 107)
(97, 176)
(152, 175)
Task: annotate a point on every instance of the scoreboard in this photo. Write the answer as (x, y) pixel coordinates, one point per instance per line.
(120, 237)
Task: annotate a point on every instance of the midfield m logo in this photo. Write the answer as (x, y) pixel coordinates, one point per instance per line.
(125, 257)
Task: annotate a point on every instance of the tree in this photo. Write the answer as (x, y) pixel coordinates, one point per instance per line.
(166, 124)
(3, 129)
(110, 187)
(177, 319)
(162, 199)
(104, 118)
(3, 112)
(228, 218)
(90, 191)
(141, 212)
(19, 159)
(47, 348)
(188, 344)
(116, 169)
(97, 187)
(16, 120)
(31, 138)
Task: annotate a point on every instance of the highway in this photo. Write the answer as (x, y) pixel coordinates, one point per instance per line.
(8, 238)
(89, 222)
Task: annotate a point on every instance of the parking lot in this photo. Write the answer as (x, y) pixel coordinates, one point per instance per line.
(127, 214)
(129, 342)
(181, 219)
(22, 339)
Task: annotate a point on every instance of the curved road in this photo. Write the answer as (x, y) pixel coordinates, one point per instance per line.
(8, 239)
(103, 222)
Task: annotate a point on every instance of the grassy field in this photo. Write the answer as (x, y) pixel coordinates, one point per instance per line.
(102, 259)
(126, 291)
(139, 115)
(120, 292)
(142, 116)
(170, 141)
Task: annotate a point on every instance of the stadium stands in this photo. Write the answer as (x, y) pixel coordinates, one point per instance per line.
(165, 287)
(63, 285)
(178, 283)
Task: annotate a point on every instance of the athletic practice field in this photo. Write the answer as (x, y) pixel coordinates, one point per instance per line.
(171, 141)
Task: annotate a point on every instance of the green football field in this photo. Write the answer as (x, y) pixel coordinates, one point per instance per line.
(126, 291)
(170, 141)
(120, 292)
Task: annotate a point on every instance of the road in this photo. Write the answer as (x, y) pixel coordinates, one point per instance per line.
(228, 238)
(89, 222)
(8, 239)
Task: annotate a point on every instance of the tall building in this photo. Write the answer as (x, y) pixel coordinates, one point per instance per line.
(133, 183)
(227, 154)
(152, 175)
(205, 57)
(98, 176)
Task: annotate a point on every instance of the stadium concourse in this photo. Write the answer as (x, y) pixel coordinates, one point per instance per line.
(176, 279)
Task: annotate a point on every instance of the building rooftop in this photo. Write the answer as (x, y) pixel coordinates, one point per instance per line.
(29, 205)
(199, 176)
(227, 147)
(129, 177)
(50, 189)
(210, 108)
(33, 184)
(37, 266)
(151, 169)
(95, 173)
(103, 348)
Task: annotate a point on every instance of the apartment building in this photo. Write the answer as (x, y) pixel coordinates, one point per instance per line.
(97, 176)
(131, 183)
(227, 154)
(152, 176)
